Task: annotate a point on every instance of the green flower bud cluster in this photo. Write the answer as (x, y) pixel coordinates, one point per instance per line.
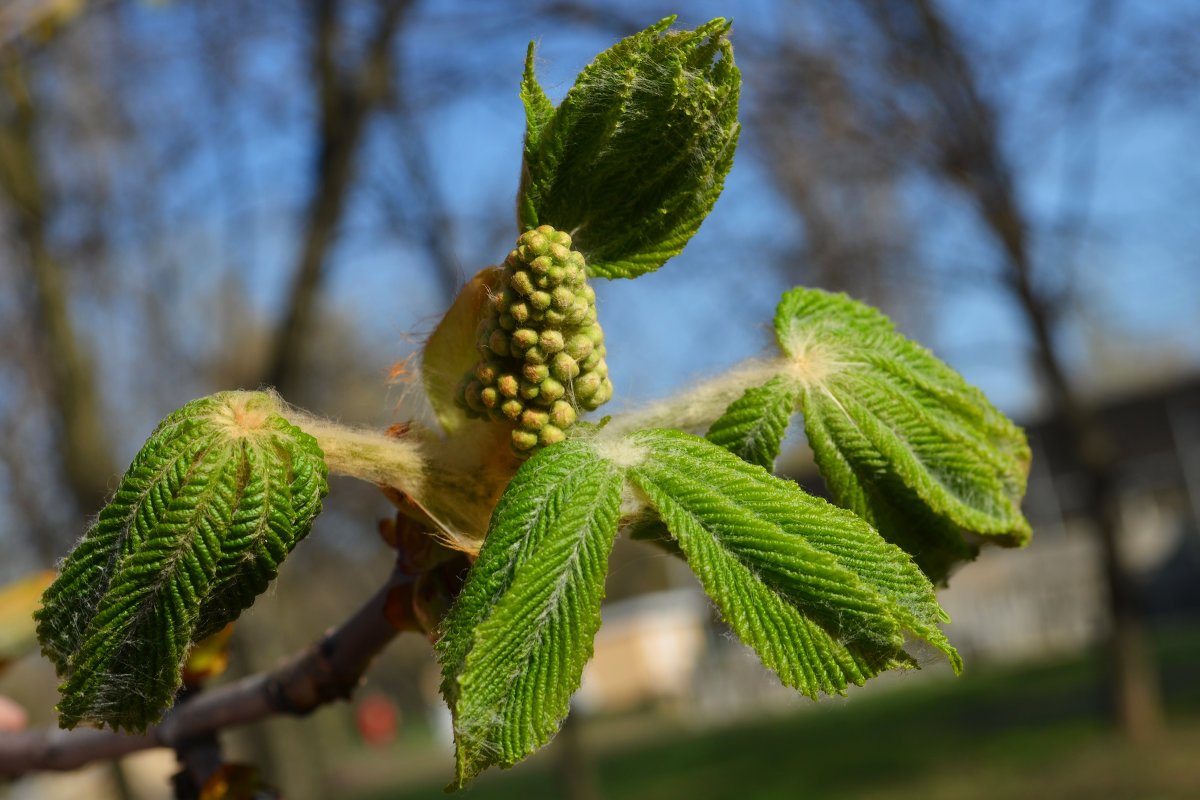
(542, 349)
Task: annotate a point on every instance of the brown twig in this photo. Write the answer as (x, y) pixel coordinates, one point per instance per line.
(326, 671)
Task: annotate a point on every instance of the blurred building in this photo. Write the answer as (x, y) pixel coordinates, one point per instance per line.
(1050, 597)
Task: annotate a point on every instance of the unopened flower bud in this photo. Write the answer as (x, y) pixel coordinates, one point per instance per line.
(563, 367)
(562, 298)
(540, 300)
(562, 414)
(535, 355)
(498, 343)
(519, 312)
(524, 440)
(586, 385)
(559, 237)
(508, 385)
(512, 409)
(472, 396)
(504, 300)
(579, 347)
(551, 390)
(533, 419)
(521, 282)
(541, 265)
(535, 373)
(460, 393)
(542, 351)
(524, 338)
(550, 434)
(486, 372)
(529, 389)
(577, 313)
(537, 243)
(551, 341)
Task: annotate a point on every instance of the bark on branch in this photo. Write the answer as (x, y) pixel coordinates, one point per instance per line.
(329, 670)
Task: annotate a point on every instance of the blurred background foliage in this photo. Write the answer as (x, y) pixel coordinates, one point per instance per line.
(198, 196)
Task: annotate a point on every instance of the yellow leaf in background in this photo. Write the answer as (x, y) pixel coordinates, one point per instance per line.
(236, 782)
(209, 658)
(47, 19)
(18, 601)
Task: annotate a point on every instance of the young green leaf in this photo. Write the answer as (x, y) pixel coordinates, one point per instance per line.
(752, 427)
(934, 541)
(515, 642)
(211, 505)
(811, 587)
(633, 158)
(899, 436)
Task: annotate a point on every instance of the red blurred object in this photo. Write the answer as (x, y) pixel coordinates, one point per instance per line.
(12, 717)
(377, 719)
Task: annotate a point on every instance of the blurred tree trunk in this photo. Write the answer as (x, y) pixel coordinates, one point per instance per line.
(574, 769)
(346, 99)
(431, 221)
(85, 454)
(967, 154)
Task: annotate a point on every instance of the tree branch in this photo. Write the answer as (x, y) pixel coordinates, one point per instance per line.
(346, 103)
(85, 455)
(326, 671)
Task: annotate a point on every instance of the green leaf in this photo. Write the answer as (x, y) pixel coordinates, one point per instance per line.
(538, 108)
(899, 436)
(753, 425)
(633, 158)
(935, 542)
(812, 588)
(211, 505)
(515, 642)
(752, 428)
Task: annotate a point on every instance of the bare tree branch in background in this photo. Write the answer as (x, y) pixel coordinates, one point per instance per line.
(967, 153)
(423, 208)
(327, 671)
(85, 458)
(347, 100)
(828, 163)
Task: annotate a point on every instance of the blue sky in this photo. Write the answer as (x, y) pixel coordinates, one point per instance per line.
(712, 305)
(1135, 272)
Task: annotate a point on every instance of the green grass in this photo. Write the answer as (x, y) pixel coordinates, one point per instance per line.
(1035, 732)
